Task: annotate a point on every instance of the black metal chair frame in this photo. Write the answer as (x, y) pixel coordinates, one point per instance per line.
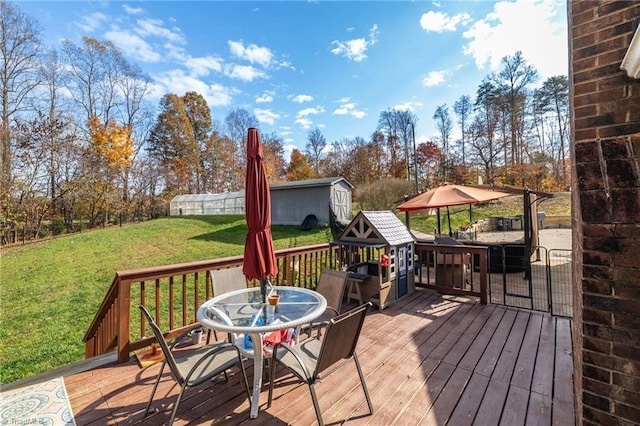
(197, 367)
(332, 285)
(313, 358)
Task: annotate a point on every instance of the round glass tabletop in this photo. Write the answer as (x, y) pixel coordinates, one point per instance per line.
(242, 311)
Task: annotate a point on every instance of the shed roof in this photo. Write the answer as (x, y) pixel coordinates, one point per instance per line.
(309, 183)
(371, 228)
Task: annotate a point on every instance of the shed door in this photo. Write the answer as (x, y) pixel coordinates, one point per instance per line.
(341, 204)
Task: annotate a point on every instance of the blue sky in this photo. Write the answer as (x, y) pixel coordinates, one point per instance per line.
(335, 65)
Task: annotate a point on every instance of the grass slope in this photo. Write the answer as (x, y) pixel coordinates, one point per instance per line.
(50, 291)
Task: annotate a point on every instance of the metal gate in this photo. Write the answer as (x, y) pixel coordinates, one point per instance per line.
(542, 284)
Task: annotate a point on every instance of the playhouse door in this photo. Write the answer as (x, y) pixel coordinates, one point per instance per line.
(402, 271)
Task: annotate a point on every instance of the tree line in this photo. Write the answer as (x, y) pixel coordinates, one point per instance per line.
(83, 145)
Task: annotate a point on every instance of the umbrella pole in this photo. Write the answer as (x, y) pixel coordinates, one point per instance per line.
(263, 289)
(449, 221)
(439, 224)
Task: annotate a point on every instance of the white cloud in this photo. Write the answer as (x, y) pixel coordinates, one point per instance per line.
(286, 64)
(133, 45)
(156, 28)
(299, 99)
(407, 106)
(92, 22)
(266, 116)
(132, 10)
(176, 81)
(265, 98)
(310, 111)
(355, 49)
(244, 72)
(439, 22)
(176, 53)
(537, 28)
(434, 78)
(202, 66)
(349, 108)
(351, 49)
(252, 53)
(304, 122)
(344, 109)
(373, 34)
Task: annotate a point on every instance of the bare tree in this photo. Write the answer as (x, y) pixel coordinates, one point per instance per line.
(444, 125)
(315, 145)
(514, 79)
(237, 123)
(19, 44)
(463, 109)
(484, 126)
(551, 114)
(395, 125)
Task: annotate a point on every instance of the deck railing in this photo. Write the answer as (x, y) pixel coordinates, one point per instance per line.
(454, 269)
(173, 293)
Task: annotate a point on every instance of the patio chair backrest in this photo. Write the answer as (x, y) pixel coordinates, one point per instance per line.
(331, 285)
(227, 280)
(340, 338)
(164, 346)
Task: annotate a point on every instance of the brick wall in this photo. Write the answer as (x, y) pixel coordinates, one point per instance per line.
(606, 212)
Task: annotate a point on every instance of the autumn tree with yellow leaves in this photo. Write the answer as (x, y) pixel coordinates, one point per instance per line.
(112, 142)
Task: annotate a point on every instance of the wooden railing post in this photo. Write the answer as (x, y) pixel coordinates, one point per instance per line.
(124, 320)
(286, 266)
(483, 276)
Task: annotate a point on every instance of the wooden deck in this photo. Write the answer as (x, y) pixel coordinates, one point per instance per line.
(429, 359)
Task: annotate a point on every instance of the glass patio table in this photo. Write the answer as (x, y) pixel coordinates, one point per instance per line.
(242, 312)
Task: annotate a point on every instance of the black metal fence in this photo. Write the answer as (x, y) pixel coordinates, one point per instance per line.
(541, 281)
(542, 284)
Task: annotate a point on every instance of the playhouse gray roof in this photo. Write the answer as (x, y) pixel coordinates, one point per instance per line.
(375, 229)
(389, 226)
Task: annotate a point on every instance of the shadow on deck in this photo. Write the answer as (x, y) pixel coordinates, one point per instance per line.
(428, 359)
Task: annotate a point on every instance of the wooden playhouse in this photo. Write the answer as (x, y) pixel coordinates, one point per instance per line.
(378, 251)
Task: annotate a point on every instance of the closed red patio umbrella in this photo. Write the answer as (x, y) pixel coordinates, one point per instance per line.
(259, 257)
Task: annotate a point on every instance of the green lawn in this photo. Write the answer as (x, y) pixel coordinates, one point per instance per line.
(50, 291)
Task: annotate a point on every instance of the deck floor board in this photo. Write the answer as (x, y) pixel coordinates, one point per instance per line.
(429, 359)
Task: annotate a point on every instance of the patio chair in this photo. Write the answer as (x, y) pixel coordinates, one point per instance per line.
(331, 285)
(225, 281)
(314, 358)
(196, 367)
